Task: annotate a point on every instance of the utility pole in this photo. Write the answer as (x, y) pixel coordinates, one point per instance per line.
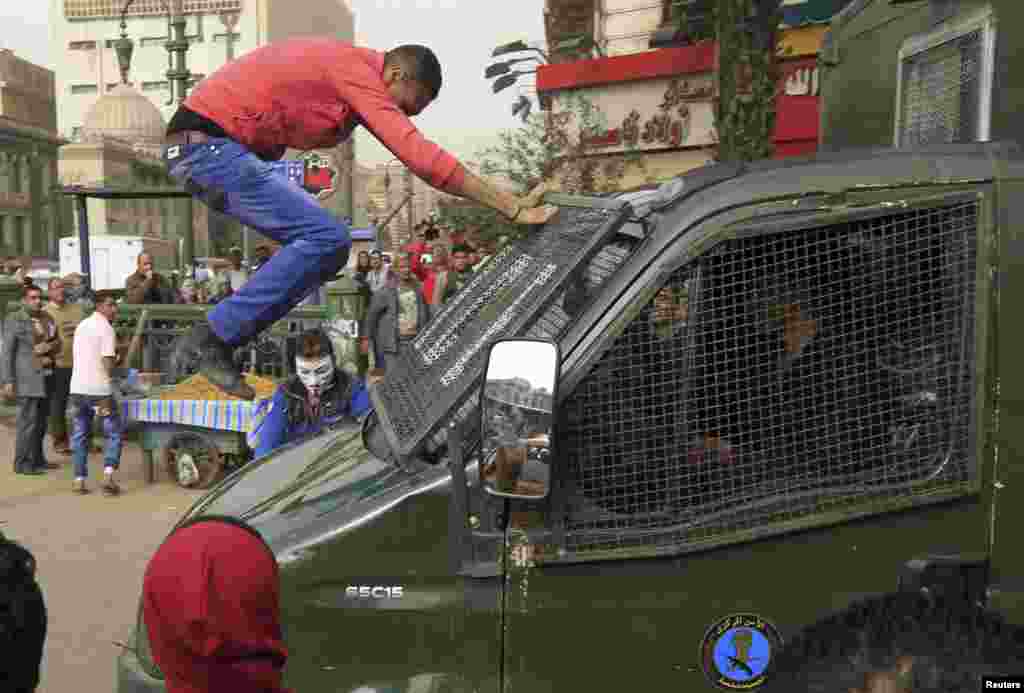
(178, 77)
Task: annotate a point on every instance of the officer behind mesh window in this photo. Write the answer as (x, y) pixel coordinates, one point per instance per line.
(316, 397)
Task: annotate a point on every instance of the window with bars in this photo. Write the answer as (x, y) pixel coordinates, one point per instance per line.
(945, 85)
(780, 377)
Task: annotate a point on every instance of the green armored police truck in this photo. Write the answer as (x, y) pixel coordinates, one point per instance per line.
(749, 398)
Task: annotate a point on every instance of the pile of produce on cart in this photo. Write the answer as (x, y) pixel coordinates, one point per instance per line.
(198, 402)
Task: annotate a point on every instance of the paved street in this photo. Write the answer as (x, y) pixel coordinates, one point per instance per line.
(92, 552)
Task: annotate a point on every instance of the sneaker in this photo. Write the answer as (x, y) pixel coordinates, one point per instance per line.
(80, 488)
(110, 487)
(215, 359)
(32, 472)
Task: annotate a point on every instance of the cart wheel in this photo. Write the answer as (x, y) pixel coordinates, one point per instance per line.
(192, 461)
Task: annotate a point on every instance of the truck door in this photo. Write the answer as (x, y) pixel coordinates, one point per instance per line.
(743, 444)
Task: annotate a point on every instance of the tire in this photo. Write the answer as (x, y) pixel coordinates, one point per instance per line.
(204, 456)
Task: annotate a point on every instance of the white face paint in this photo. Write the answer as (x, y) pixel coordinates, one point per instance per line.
(315, 374)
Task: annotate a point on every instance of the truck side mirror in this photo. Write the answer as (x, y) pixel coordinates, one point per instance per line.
(517, 417)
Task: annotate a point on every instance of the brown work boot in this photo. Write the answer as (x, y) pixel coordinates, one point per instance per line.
(80, 488)
(215, 359)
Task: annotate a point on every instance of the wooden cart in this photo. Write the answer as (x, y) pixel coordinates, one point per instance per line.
(196, 442)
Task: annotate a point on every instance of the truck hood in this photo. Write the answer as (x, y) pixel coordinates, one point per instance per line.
(315, 489)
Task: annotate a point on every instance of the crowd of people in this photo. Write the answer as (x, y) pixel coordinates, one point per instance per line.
(54, 356)
(407, 291)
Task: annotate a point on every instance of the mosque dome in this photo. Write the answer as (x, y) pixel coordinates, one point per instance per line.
(127, 115)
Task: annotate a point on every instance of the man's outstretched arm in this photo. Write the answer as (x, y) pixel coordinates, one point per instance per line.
(367, 94)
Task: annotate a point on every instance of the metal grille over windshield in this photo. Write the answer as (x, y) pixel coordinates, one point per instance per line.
(941, 93)
(516, 287)
(781, 376)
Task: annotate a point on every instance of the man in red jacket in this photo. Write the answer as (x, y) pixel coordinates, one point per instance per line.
(303, 93)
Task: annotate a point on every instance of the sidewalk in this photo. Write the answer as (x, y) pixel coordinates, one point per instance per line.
(92, 552)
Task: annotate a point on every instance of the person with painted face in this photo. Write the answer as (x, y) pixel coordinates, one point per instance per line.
(316, 397)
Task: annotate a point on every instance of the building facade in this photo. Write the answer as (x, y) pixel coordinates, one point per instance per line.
(381, 199)
(655, 92)
(82, 35)
(119, 144)
(29, 210)
(83, 32)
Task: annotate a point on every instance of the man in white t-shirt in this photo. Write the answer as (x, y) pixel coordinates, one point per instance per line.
(94, 359)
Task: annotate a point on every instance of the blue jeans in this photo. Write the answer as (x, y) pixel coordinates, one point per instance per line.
(83, 408)
(315, 245)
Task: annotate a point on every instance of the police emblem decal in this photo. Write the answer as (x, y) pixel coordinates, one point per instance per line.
(736, 653)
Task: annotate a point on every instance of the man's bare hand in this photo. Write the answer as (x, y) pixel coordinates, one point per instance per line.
(536, 215)
(42, 348)
(535, 196)
(9, 391)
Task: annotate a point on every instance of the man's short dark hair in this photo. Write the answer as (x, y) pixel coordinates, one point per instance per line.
(950, 643)
(462, 248)
(420, 62)
(313, 344)
(105, 296)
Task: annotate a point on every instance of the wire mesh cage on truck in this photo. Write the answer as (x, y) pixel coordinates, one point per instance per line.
(784, 372)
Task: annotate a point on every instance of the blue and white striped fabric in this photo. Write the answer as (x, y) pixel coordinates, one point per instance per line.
(223, 415)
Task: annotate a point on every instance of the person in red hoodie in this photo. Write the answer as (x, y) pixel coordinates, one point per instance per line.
(303, 93)
(210, 600)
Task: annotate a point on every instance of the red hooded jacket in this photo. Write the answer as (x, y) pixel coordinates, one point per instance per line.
(210, 604)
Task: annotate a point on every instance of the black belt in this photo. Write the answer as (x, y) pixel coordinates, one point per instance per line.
(186, 137)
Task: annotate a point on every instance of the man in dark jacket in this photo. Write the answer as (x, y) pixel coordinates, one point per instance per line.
(145, 285)
(396, 313)
(31, 342)
(319, 395)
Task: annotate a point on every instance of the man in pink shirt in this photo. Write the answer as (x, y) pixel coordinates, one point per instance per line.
(303, 93)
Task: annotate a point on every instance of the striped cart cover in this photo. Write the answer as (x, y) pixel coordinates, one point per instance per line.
(222, 415)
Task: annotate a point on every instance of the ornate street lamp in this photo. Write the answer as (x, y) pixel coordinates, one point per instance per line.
(177, 72)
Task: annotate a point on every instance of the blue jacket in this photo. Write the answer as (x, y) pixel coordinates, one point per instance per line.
(286, 419)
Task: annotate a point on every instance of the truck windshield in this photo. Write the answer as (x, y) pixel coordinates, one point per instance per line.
(532, 288)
